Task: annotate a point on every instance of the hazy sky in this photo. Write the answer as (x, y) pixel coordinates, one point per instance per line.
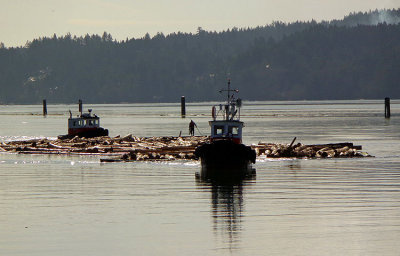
(24, 20)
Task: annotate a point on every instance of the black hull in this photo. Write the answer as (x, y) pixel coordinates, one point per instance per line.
(86, 134)
(226, 159)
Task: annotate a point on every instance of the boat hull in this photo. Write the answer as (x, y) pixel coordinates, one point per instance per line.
(86, 133)
(226, 159)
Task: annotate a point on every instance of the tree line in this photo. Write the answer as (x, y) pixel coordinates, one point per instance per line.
(353, 58)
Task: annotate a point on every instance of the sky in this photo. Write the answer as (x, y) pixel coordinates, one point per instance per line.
(24, 20)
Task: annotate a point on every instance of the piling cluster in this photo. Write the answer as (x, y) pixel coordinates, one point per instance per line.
(132, 148)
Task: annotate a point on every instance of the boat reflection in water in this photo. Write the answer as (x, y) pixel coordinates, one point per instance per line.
(226, 175)
(227, 203)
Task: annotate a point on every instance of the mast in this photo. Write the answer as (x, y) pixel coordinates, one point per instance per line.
(229, 100)
(229, 90)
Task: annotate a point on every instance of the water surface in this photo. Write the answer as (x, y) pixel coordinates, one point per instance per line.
(73, 205)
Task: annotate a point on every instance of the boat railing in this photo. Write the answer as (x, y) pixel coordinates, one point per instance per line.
(228, 112)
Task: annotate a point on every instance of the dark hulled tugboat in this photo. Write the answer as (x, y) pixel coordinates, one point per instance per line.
(225, 154)
(85, 125)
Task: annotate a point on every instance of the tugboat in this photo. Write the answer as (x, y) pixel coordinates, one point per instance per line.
(225, 154)
(84, 125)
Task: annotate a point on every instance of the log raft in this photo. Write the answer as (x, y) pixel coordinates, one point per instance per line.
(137, 148)
(333, 150)
(132, 148)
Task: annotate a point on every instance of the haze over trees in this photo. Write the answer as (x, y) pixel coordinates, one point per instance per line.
(354, 58)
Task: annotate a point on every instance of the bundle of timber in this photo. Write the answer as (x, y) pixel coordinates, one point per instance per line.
(143, 147)
(299, 150)
(132, 148)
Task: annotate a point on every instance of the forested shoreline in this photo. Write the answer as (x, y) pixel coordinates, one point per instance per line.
(354, 58)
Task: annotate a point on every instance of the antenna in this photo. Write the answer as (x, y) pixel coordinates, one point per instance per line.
(229, 91)
(229, 100)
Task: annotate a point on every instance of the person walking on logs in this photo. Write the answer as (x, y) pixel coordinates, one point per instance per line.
(191, 127)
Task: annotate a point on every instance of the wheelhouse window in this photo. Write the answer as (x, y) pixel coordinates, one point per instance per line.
(218, 130)
(233, 130)
(92, 122)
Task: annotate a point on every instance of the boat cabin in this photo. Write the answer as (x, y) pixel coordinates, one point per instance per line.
(226, 130)
(82, 123)
(228, 126)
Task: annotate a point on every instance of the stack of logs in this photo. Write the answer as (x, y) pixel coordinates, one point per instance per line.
(126, 148)
(131, 148)
(309, 151)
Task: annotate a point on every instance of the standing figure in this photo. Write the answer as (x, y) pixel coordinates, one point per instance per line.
(191, 127)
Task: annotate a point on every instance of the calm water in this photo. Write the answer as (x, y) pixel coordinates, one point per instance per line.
(70, 205)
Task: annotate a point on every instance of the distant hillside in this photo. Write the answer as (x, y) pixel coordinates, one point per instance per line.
(357, 57)
(391, 17)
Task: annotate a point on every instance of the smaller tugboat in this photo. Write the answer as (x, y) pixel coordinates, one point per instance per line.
(225, 154)
(85, 125)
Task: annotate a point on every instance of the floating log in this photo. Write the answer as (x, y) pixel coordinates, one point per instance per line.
(132, 148)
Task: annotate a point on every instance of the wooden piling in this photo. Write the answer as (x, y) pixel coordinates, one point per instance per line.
(183, 107)
(80, 106)
(44, 107)
(387, 107)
